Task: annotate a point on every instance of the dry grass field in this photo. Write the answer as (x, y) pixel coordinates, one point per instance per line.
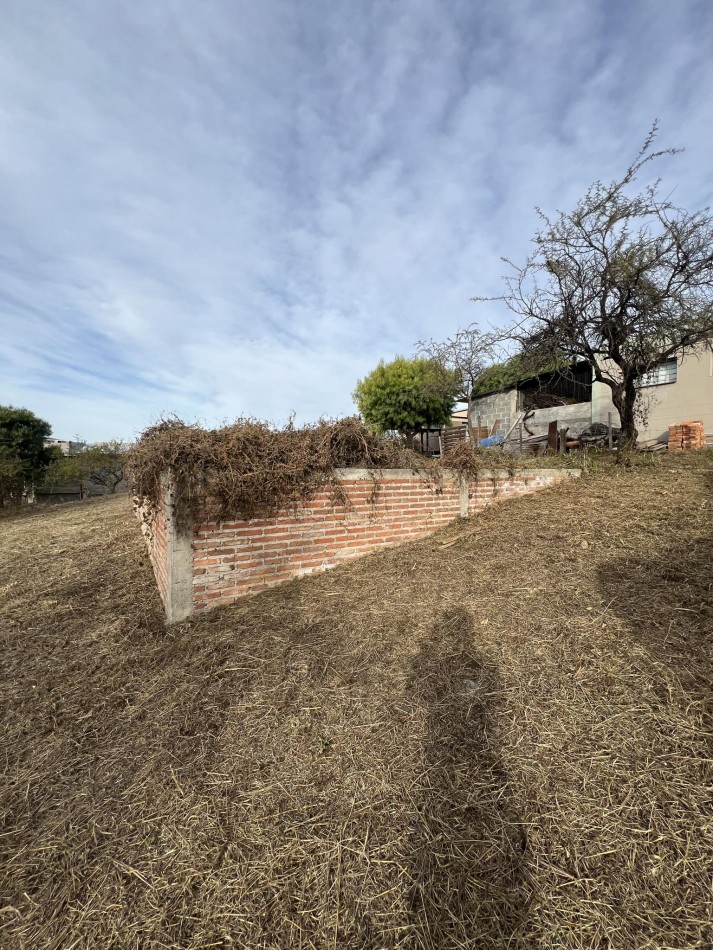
(499, 737)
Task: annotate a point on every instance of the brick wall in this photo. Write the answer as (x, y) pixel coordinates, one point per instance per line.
(498, 486)
(239, 558)
(220, 562)
(155, 531)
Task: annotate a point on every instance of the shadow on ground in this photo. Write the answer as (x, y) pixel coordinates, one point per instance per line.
(666, 597)
(468, 848)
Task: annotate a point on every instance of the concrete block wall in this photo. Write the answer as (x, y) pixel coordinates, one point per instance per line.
(217, 562)
(576, 417)
(498, 406)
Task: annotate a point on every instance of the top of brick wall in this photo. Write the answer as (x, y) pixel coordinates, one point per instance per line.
(353, 474)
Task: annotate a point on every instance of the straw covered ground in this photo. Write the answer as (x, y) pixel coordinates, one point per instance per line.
(496, 737)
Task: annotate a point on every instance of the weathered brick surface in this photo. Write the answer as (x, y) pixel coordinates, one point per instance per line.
(235, 559)
(153, 528)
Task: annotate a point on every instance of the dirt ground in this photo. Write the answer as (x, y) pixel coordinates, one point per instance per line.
(505, 741)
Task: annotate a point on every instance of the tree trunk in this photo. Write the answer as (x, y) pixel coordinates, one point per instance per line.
(471, 425)
(408, 435)
(624, 399)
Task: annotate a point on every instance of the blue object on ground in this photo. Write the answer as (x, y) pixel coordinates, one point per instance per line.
(492, 440)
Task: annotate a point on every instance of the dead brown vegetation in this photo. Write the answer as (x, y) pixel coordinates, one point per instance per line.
(501, 742)
(250, 468)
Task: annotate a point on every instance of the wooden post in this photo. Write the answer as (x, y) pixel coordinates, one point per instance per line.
(563, 440)
(477, 438)
(520, 438)
(611, 437)
(552, 436)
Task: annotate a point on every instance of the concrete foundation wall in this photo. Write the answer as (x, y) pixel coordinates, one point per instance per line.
(217, 562)
(575, 418)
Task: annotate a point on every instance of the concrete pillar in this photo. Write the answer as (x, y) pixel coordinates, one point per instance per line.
(179, 562)
(464, 490)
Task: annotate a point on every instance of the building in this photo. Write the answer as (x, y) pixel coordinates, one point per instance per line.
(66, 446)
(678, 390)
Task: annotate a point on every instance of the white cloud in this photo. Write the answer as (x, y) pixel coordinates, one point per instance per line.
(231, 208)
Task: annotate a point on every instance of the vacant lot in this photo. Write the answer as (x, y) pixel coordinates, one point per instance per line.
(503, 741)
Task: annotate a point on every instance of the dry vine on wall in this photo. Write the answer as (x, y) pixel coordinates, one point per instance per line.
(250, 469)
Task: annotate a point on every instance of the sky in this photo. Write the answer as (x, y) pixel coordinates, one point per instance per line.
(231, 208)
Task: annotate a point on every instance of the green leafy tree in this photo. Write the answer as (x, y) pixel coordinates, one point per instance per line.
(407, 395)
(24, 458)
(12, 483)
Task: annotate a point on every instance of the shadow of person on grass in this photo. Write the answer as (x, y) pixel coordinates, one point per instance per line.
(665, 597)
(468, 848)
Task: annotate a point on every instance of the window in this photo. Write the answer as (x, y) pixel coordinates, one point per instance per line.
(660, 375)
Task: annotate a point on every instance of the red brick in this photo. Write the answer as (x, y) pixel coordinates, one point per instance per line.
(234, 559)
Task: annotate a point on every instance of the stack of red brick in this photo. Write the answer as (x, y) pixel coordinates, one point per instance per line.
(685, 436)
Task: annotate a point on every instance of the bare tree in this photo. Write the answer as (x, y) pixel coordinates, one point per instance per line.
(465, 355)
(102, 465)
(624, 282)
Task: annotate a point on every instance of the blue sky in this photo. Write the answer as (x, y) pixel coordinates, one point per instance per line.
(227, 208)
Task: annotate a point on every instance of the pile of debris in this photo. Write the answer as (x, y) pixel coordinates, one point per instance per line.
(653, 445)
(558, 439)
(680, 438)
(597, 434)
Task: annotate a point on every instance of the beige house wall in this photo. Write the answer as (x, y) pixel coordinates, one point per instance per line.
(689, 398)
(602, 404)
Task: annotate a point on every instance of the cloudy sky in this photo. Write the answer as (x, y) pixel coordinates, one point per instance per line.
(225, 208)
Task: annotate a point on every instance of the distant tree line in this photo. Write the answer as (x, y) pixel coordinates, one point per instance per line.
(28, 463)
